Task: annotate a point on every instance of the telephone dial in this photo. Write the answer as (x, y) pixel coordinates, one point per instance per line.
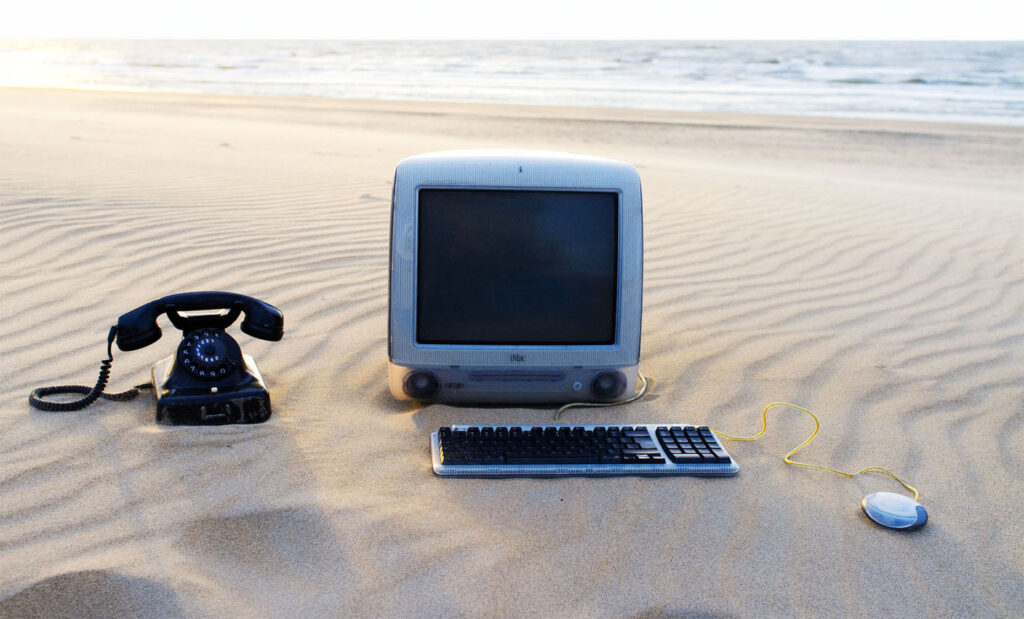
(209, 380)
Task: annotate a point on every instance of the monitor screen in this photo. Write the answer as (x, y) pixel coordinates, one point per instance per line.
(516, 267)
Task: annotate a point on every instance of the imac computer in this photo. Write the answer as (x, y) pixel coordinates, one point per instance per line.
(516, 277)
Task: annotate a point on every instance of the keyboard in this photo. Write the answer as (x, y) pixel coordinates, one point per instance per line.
(563, 450)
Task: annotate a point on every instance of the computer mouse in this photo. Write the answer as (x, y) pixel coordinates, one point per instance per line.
(894, 511)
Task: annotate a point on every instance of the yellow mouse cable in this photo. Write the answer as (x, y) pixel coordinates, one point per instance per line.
(788, 460)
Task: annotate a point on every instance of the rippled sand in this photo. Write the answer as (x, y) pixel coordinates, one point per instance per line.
(871, 271)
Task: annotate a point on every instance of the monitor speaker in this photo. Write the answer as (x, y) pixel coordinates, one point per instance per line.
(420, 384)
(608, 385)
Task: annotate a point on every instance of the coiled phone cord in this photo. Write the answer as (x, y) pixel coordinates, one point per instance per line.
(35, 398)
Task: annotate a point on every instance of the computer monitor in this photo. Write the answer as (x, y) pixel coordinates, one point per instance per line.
(516, 277)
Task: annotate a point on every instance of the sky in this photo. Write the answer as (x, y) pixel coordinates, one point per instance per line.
(518, 19)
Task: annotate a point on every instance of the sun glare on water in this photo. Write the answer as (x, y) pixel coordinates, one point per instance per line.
(47, 64)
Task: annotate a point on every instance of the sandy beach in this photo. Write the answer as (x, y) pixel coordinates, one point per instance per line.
(872, 271)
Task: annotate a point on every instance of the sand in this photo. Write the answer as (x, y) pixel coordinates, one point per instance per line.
(872, 271)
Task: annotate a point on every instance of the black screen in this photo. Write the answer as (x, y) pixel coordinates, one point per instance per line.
(516, 267)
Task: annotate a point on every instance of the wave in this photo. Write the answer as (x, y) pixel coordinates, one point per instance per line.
(943, 82)
(895, 80)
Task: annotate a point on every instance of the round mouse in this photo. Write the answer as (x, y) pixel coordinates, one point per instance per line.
(894, 511)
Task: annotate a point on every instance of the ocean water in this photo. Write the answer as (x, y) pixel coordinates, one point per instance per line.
(980, 82)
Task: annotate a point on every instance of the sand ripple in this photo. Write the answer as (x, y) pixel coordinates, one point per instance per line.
(860, 273)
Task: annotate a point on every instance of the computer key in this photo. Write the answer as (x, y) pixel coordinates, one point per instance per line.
(720, 455)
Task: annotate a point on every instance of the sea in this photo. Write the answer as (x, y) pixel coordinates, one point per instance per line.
(974, 82)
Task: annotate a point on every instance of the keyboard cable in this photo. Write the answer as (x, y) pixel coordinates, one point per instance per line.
(636, 396)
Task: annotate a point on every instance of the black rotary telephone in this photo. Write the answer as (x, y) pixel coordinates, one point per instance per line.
(209, 380)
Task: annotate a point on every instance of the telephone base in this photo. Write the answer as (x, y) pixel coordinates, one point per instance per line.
(217, 404)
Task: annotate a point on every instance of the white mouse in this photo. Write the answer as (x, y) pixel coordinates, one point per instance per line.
(894, 511)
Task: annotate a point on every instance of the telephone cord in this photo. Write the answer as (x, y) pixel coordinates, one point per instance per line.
(92, 394)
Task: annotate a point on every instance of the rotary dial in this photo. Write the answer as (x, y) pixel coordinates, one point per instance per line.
(204, 353)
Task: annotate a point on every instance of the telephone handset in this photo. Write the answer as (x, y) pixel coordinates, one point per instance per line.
(209, 380)
(137, 328)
